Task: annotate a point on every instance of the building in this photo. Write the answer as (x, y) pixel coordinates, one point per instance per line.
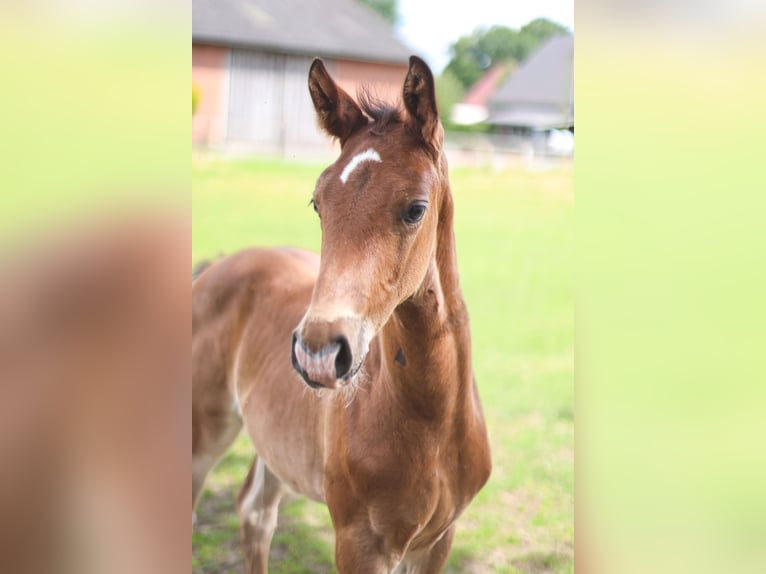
(250, 62)
(539, 95)
(473, 107)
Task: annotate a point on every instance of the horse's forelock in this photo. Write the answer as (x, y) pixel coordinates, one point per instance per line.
(381, 112)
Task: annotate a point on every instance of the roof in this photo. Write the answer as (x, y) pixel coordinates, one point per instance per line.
(483, 89)
(331, 28)
(540, 93)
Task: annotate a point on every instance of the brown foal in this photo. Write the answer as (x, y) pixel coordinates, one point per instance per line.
(392, 438)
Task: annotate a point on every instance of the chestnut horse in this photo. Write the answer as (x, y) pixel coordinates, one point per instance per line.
(392, 436)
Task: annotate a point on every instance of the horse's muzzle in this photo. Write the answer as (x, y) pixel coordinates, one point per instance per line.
(324, 368)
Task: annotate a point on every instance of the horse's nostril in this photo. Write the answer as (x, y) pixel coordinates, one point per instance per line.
(293, 357)
(343, 358)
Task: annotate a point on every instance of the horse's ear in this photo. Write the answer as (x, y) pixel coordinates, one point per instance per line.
(419, 96)
(338, 114)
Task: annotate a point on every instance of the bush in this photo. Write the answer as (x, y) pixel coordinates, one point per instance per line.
(195, 99)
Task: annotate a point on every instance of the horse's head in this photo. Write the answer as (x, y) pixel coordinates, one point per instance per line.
(379, 207)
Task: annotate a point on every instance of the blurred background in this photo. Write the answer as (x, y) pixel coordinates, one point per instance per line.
(94, 287)
(505, 72)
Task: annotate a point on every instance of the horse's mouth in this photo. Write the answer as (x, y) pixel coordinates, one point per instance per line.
(305, 376)
(317, 386)
(312, 384)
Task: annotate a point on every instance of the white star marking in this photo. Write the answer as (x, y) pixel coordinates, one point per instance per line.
(366, 155)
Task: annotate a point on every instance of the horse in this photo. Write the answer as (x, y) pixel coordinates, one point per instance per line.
(351, 371)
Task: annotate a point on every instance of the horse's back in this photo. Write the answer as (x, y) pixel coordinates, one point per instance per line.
(261, 292)
(245, 308)
(266, 290)
(231, 279)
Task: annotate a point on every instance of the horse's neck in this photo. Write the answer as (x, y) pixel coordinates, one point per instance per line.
(426, 346)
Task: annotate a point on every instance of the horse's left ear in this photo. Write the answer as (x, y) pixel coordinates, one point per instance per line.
(419, 96)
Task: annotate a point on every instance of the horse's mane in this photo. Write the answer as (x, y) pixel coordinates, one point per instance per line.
(381, 112)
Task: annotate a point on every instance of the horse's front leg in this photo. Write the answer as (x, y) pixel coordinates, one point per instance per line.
(258, 504)
(429, 560)
(358, 550)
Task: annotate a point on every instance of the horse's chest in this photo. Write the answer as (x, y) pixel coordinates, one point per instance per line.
(424, 486)
(407, 483)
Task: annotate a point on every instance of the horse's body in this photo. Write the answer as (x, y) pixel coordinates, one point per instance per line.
(395, 441)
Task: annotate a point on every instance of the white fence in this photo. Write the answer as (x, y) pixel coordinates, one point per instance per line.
(501, 150)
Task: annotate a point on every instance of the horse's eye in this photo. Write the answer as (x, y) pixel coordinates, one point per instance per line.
(414, 212)
(314, 205)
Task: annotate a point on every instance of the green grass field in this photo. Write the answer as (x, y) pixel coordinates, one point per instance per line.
(515, 245)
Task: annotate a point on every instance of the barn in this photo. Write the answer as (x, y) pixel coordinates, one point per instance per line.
(250, 61)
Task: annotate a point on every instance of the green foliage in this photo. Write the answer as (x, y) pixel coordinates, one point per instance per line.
(541, 29)
(514, 232)
(196, 95)
(473, 55)
(449, 91)
(386, 8)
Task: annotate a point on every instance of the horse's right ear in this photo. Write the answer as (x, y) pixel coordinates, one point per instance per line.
(338, 114)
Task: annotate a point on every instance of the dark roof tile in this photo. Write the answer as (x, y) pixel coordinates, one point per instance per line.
(545, 77)
(331, 28)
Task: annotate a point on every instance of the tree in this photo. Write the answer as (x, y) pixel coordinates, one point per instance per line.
(540, 29)
(472, 55)
(195, 99)
(386, 8)
(449, 91)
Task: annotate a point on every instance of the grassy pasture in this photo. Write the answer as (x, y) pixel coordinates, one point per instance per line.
(515, 246)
